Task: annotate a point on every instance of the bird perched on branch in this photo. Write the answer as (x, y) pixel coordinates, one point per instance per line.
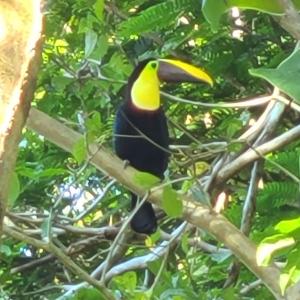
(141, 132)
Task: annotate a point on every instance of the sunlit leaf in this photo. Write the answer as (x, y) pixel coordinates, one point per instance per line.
(269, 246)
(127, 280)
(171, 202)
(145, 180)
(98, 9)
(288, 226)
(79, 150)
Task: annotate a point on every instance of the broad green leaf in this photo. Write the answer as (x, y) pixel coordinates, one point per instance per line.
(235, 146)
(51, 172)
(214, 9)
(284, 75)
(90, 42)
(101, 48)
(79, 150)
(154, 265)
(229, 294)
(145, 180)
(94, 126)
(98, 9)
(221, 256)
(5, 249)
(87, 294)
(270, 245)
(60, 82)
(14, 189)
(152, 239)
(127, 280)
(200, 195)
(288, 226)
(155, 17)
(171, 203)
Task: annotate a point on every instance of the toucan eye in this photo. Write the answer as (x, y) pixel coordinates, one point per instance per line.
(154, 65)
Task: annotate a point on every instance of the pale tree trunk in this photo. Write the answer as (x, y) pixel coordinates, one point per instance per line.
(20, 52)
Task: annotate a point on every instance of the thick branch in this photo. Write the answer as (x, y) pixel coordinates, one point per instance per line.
(19, 61)
(194, 212)
(290, 21)
(67, 261)
(256, 153)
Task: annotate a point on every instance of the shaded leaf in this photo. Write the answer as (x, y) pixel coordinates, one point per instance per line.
(90, 42)
(87, 294)
(214, 9)
(283, 76)
(14, 189)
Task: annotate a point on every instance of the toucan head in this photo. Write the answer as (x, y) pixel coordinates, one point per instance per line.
(144, 82)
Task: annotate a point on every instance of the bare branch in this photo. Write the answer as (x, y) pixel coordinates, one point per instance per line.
(256, 153)
(194, 212)
(67, 261)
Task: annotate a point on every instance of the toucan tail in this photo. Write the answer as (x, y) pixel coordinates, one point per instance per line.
(144, 220)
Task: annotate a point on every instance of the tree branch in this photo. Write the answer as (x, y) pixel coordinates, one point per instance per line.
(19, 62)
(194, 212)
(290, 21)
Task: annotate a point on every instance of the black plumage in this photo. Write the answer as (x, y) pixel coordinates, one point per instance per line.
(141, 133)
(147, 151)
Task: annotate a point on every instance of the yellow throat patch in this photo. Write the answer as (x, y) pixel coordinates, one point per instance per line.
(145, 90)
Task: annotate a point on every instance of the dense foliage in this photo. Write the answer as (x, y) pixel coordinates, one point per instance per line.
(90, 48)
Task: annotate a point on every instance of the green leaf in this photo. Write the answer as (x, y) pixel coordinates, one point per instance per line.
(288, 226)
(214, 9)
(79, 150)
(128, 281)
(171, 202)
(101, 48)
(145, 180)
(87, 294)
(235, 146)
(283, 282)
(98, 9)
(284, 75)
(5, 249)
(14, 189)
(91, 38)
(155, 17)
(270, 245)
(60, 82)
(185, 243)
(94, 126)
(154, 265)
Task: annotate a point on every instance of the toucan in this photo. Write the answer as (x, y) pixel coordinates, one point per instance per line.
(141, 132)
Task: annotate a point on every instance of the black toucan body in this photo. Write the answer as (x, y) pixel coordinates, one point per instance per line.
(141, 132)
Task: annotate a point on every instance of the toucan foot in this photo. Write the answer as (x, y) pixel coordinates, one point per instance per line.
(126, 163)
